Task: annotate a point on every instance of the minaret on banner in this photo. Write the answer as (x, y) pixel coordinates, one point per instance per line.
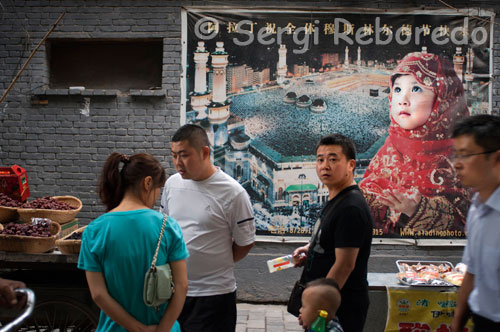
(218, 109)
(346, 60)
(200, 98)
(458, 63)
(469, 77)
(282, 67)
(359, 57)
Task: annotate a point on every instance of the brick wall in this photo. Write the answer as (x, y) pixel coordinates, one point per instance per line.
(63, 150)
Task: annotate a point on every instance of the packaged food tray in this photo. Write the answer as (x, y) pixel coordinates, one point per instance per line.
(424, 273)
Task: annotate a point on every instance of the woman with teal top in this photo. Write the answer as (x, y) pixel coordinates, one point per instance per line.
(118, 247)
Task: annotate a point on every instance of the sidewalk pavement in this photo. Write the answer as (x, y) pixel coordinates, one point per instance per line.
(265, 318)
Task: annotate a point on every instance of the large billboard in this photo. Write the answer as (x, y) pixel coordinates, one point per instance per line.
(268, 84)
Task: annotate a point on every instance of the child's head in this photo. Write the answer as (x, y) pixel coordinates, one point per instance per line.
(426, 98)
(320, 294)
(141, 174)
(411, 103)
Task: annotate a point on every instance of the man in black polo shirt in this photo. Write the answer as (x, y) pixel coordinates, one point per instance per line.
(340, 245)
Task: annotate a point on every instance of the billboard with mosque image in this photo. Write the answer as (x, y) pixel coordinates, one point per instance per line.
(268, 84)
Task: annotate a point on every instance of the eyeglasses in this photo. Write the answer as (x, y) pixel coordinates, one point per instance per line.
(462, 157)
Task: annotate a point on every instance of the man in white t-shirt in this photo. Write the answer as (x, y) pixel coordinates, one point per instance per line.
(216, 217)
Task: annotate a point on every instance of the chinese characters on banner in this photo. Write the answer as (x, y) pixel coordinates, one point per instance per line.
(421, 310)
(267, 86)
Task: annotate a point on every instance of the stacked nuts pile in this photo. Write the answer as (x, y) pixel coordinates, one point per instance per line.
(39, 230)
(8, 202)
(75, 236)
(47, 203)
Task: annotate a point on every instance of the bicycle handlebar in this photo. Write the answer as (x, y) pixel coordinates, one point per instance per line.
(28, 309)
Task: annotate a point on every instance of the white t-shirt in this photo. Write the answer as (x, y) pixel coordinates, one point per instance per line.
(212, 213)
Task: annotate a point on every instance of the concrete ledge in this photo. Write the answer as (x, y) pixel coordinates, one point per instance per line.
(147, 93)
(71, 92)
(257, 285)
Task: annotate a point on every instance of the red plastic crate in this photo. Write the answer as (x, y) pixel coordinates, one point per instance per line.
(14, 182)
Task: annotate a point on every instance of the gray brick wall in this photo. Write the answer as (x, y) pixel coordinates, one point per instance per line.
(63, 150)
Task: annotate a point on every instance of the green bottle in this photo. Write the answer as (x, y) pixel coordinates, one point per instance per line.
(320, 322)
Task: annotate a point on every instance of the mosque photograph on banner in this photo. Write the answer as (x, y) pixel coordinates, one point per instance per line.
(267, 85)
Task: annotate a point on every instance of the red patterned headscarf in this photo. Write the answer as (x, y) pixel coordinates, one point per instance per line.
(419, 158)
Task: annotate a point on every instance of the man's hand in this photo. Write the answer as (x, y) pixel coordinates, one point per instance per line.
(299, 255)
(8, 297)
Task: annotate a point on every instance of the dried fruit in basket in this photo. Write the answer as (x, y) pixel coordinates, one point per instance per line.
(39, 230)
(47, 203)
(9, 202)
(75, 236)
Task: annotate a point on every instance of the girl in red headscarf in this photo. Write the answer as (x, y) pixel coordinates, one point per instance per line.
(410, 183)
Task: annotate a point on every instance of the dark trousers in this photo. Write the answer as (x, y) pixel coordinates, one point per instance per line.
(353, 311)
(483, 324)
(215, 313)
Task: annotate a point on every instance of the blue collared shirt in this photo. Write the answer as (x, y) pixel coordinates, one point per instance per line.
(482, 255)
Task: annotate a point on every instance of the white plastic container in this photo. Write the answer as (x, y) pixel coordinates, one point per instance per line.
(280, 263)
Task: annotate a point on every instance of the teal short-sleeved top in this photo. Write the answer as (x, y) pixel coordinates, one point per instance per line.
(121, 246)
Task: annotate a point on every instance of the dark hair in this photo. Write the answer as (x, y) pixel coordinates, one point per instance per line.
(395, 77)
(324, 282)
(484, 128)
(194, 134)
(113, 182)
(344, 142)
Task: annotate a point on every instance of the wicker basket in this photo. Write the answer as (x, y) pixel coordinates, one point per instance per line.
(8, 214)
(59, 216)
(70, 246)
(30, 244)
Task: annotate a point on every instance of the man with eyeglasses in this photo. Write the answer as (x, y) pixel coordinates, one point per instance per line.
(477, 163)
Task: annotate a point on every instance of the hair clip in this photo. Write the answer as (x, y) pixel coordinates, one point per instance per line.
(125, 159)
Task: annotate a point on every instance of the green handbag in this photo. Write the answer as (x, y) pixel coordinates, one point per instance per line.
(158, 283)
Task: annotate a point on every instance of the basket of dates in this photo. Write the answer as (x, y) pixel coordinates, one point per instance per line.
(70, 244)
(61, 209)
(428, 273)
(29, 238)
(8, 208)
